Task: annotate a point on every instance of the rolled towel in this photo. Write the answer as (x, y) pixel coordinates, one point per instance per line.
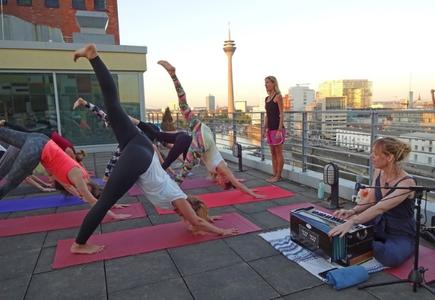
(346, 277)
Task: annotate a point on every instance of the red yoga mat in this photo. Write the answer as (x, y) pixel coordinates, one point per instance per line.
(188, 184)
(284, 211)
(143, 240)
(235, 197)
(17, 226)
(426, 259)
(427, 255)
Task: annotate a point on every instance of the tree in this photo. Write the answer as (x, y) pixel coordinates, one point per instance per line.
(167, 121)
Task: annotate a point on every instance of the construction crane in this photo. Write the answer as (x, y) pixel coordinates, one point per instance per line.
(432, 91)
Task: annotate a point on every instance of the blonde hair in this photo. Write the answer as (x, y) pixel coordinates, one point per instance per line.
(388, 145)
(275, 81)
(199, 207)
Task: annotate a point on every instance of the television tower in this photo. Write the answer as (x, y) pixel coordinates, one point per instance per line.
(229, 49)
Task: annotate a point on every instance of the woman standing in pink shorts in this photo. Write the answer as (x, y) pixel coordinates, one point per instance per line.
(274, 130)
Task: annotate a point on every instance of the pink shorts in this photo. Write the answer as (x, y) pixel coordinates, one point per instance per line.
(272, 139)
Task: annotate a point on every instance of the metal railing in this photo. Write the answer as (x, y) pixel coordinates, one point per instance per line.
(345, 137)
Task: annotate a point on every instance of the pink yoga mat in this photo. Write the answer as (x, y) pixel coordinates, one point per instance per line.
(17, 226)
(188, 184)
(235, 197)
(426, 259)
(145, 239)
(284, 211)
(427, 255)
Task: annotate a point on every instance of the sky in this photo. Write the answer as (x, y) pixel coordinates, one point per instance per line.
(389, 42)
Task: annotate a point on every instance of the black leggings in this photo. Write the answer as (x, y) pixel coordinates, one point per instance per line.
(180, 140)
(136, 154)
(21, 160)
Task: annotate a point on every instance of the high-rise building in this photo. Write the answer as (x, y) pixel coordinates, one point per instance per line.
(210, 103)
(78, 21)
(229, 49)
(240, 106)
(301, 96)
(358, 92)
(287, 103)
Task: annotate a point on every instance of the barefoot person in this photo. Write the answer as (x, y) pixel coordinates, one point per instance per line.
(274, 126)
(180, 141)
(138, 162)
(203, 146)
(391, 211)
(35, 148)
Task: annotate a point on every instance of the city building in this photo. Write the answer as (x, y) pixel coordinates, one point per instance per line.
(39, 80)
(55, 20)
(423, 147)
(358, 92)
(210, 103)
(240, 106)
(301, 96)
(333, 120)
(287, 103)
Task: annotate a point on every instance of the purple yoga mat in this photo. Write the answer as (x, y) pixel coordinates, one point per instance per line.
(38, 202)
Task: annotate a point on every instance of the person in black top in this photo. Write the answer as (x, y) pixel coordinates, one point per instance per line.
(390, 210)
(274, 131)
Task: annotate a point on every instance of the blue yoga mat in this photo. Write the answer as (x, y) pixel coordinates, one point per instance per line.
(38, 202)
(98, 181)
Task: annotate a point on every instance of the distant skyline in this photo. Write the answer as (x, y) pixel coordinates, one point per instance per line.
(387, 42)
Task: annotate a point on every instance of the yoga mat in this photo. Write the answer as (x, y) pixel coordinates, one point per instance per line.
(427, 255)
(188, 184)
(17, 226)
(98, 181)
(235, 197)
(144, 239)
(284, 211)
(38, 202)
(426, 259)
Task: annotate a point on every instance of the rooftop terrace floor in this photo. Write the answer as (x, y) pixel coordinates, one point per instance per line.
(240, 267)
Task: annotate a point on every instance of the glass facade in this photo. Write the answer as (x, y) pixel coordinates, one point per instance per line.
(29, 100)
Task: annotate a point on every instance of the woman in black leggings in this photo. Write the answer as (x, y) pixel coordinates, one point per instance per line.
(137, 163)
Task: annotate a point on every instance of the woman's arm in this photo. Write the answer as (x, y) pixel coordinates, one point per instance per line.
(30, 179)
(278, 100)
(384, 205)
(199, 224)
(223, 169)
(98, 112)
(75, 176)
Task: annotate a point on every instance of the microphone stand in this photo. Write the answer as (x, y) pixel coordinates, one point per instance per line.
(416, 275)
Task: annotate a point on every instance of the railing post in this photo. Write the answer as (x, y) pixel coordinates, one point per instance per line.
(262, 135)
(373, 136)
(304, 141)
(234, 128)
(214, 127)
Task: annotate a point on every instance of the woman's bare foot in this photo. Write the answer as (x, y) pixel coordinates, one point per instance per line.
(85, 249)
(270, 178)
(79, 103)
(274, 179)
(168, 67)
(89, 51)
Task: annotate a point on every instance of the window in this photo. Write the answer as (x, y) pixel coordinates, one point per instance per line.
(4, 2)
(79, 4)
(415, 157)
(415, 147)
(28, 100)
(24, 2)
(52, 3)
(100, 4)
(429, 160)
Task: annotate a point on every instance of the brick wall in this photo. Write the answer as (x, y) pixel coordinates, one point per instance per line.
(62, 17)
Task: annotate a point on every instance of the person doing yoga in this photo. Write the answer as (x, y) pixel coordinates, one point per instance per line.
(138, 163)
(203, 146)
(179, 140)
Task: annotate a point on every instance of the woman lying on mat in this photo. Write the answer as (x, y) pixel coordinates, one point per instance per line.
(149, 129)
(390, 210)
(33, 148)
(138, 163)
(203, 146)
